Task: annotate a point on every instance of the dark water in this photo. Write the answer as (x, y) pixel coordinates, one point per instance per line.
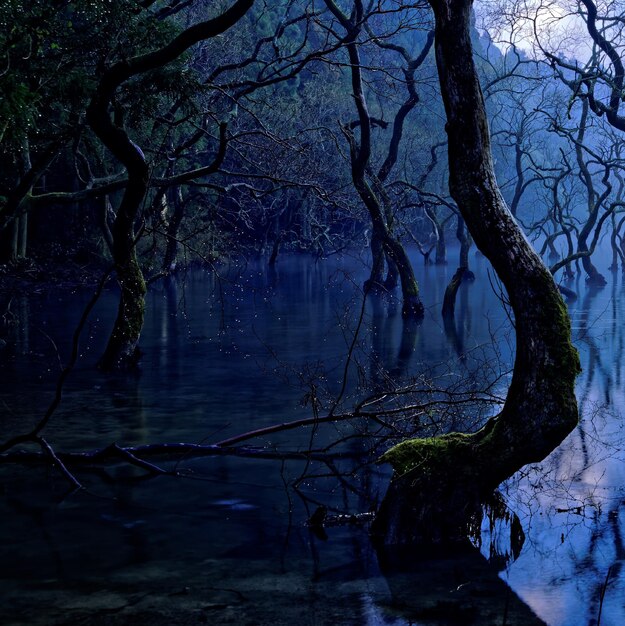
(227, 542)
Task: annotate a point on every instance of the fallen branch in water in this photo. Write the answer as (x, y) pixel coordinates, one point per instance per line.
(135, 455)
(138, 455)
(410, 412)
(49, 452)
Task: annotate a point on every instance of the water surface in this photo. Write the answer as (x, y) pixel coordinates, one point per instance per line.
(228, 543)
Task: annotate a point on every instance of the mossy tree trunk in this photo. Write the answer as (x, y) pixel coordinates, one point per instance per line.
(439, 483)
(122, 349)
(411, 305)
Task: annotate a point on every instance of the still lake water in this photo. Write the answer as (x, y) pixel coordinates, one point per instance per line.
(228, 543)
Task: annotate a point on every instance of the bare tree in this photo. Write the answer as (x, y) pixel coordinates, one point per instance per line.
(439, 483)
(122, 349)
(372, 193)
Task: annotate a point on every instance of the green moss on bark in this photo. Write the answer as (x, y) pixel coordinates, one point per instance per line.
(428, 454)
(122, 350)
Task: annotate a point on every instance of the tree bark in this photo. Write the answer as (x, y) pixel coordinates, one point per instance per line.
(465, 246)
(175, 220)
(439, 483)
(360, 153)
(594, 202)
(122, 349)
(449, 300)
(439, 231)
(22, 240)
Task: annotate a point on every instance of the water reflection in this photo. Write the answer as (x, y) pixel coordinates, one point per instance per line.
(459, 325)
(573, 505)
(225, 354)
(390, 356)
(453, 588)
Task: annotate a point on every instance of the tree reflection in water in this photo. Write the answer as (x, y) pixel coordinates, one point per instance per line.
(235, 528)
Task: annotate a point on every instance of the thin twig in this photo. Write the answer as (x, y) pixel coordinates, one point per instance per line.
(604, 588)
(47, 448)
(125, 454)
(58, 394)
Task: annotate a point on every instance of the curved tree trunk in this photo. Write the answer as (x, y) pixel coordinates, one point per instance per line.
(617, 250)
(122, 349)
(463, 273)
(396, 253)
(449, 300)
(465, 246)
(373, 195)
(375, 282)
(439, 231)
(549, 245)
(595, 202)
(593, 275)
(439, 483)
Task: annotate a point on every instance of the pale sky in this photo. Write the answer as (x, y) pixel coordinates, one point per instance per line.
(530, 24)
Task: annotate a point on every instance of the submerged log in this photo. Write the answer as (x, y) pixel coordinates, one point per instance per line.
(439, 483)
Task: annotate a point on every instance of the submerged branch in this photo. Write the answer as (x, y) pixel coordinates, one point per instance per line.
(136, 455)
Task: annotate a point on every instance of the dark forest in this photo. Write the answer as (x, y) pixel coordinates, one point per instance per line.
(310, 312)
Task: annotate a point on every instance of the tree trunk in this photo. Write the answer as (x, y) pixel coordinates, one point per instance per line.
(275, 250)
(22, 237)
(595, 201)
(463, 273)
(412, 306)
(18, 227)
(439, 483)
(465, 246)
(392, 275)
(12, 240)
(616, 240)
(175, 220)
(372, 196)
(439, 230)
(593, 275)
(441, 252)
(122, 349)
(449, 300)
(375, 282)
